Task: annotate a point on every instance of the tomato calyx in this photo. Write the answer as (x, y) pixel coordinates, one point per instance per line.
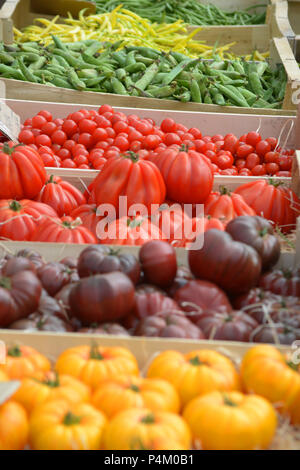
(95, 354)
(14, 351)
(184, 148)
(148, 419)
(134, 388)
(228, 401)
(275, 183)
(9, 150)
(262, 233)
(15, 206)
(70, 419)
(224, 191)
(131, 155)
(5, 283)
(195, 361)
(292, 365)
(73, 224)
(51, 180)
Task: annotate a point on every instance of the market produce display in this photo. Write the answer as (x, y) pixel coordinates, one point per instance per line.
(131, 30)
(146, 72)
(97, 398)
(149, 275)
(108, 292)
(87, 139)
(192, 12)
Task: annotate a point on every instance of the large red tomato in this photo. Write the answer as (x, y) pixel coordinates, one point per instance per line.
(233, 266)
(61, 195)
(19, 219)
(127, 231)
(22, 172)
(257, 232)
(188, 175)
(172, 221)
(201, 297)
(149, 300)
(101, 298)
(226, 206)
(64, 230)
(168, 324)
(282, 281)
(127, 175)
(198, 226)
(233, 326)
(19, 295)
(272, 200)
(88, 216)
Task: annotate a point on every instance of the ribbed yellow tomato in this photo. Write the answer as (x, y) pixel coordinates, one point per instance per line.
(95, 365)
(59, 425)
(24, 361)
(13, 426)
(51, 386)
(135, 392)
(231, 421)
(141, 428)
(195, 373)
(265, 371)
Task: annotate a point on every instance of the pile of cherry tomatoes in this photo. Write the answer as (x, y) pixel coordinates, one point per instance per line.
(85, 139)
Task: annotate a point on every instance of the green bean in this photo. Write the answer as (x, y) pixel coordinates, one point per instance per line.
(121, 74)
(74, 80)
(87, 73)
(130, 59)
(11, 72)
(217, 97)
(255, 83)
(148, 76)
(118, 87)
(59, 44)
(233, 95)
(162, 92)
(6, 58)
(38, 64)
(93, 48)
(26, 72)
(61, 82)
(195, 92)
(136, 67)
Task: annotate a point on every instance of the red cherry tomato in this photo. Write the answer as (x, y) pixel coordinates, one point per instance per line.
(262, 148)
(244, 150)
(272, 168)
(46, 114)
(253, 138)
(59, 137)
(259, 170)
(252, 160)
(26, 137)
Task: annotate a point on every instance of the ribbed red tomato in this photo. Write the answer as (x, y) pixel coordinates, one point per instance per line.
(226, 206)
(233, 326)
(127, 231)
(64, 230)
(272, 200)
(127, 175)
(88, 215)
(172, 221)
(61, 195)
(19, 219)
(188, 174)
(22, 171)
(199, 297)
(282, 281)
(198, 226)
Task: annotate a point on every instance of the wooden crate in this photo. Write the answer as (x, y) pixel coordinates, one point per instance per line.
(208, 123)
(280, 51)
(247, 38)
(144, 349)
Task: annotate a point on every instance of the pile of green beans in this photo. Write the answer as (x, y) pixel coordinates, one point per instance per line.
(141, 71)
(190, 11)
